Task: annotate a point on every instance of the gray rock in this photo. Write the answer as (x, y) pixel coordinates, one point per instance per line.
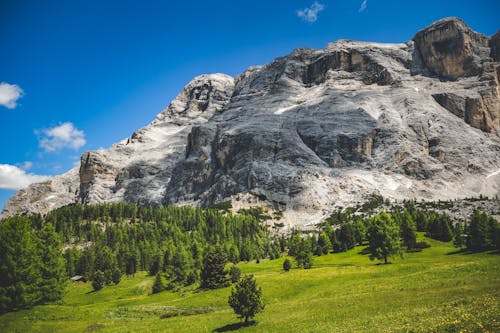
(315, 130)
(450, 49)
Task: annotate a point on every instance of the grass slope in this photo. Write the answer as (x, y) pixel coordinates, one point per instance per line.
(431, 291)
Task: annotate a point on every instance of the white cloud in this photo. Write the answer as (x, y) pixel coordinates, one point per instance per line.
(62, 136)
(311, 14)
(9, 94)
(363, 6)
(14, 178)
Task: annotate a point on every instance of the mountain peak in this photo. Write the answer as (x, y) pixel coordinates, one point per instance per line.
(314, 130)
(203, 96)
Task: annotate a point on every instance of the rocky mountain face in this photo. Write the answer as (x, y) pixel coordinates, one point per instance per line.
(310, 131)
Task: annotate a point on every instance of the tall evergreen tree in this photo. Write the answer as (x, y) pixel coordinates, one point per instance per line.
(213, 274)
(53, 277)
(246, 298)
(383, 237)
(408, 230)
(158, 285)
(19, 265)
(477, 233)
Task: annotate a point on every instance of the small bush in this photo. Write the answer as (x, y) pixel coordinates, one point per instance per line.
(287, 265)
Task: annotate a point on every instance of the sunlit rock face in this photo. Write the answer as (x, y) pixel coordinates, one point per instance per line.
(317, 129)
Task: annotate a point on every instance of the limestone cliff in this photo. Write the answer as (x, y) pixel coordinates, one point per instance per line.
(313, 130)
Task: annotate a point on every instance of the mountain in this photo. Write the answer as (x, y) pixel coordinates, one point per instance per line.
(311, 131)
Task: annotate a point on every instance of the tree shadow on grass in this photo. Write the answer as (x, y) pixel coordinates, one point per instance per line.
(236, 326)
(459, 251)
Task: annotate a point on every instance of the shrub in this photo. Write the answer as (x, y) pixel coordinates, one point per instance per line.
(287, 265)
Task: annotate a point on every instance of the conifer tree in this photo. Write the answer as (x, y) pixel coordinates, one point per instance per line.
(246, 298)
(158, 285)
(383, 238)
(213, 274)
(408, 230)
(52, 269)
(98, 281)
(19, 265)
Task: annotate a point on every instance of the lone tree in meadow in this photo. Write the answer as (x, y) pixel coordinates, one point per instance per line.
(246, 298)
(287, 265)
(383, 237)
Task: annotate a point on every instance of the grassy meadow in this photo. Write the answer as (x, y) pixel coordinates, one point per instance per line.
(437, 290)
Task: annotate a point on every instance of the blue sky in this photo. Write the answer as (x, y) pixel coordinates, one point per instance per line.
(79, 75)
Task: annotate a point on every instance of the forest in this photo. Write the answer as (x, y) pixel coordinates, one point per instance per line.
(181, 245)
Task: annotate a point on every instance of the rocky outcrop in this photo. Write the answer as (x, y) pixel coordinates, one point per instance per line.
(450, 49)
(495, 46)
(44, 196)
(318, 129)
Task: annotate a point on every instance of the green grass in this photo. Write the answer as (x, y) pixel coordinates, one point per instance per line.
(429, 291)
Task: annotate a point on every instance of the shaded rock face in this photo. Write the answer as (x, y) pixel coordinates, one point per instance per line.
(317, 129)
(495, 46)
(450, 49)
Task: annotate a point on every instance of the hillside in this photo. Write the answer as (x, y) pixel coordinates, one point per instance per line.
(437, 290)
(309, 131)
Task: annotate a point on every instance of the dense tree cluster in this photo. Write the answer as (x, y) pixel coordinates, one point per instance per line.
(108, 240)
(482, 232)
(31, 265)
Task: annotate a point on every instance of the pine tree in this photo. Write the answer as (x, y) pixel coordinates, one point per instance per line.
(383, 238)
(98, 281)
(246, 298)
(408, 230)
(304, 254)
(213, 274)
(53, 277)
(158, 285)
(324, 243)
(458, 235)
(117, 275)
(234, 274)
(19, 265)
(477, 236)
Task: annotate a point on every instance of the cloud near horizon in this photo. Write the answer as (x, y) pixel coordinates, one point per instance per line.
(310, 14)
(363, 6)
(65, 135)
(15, 178)
(9, 94)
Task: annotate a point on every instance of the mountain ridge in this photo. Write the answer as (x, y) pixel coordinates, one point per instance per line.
(310, 131)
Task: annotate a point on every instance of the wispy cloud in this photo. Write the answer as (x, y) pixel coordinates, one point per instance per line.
(56, 138)
(363, 6)
(14, 178)
(310, 14)
(25, 165)
(9, 94)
